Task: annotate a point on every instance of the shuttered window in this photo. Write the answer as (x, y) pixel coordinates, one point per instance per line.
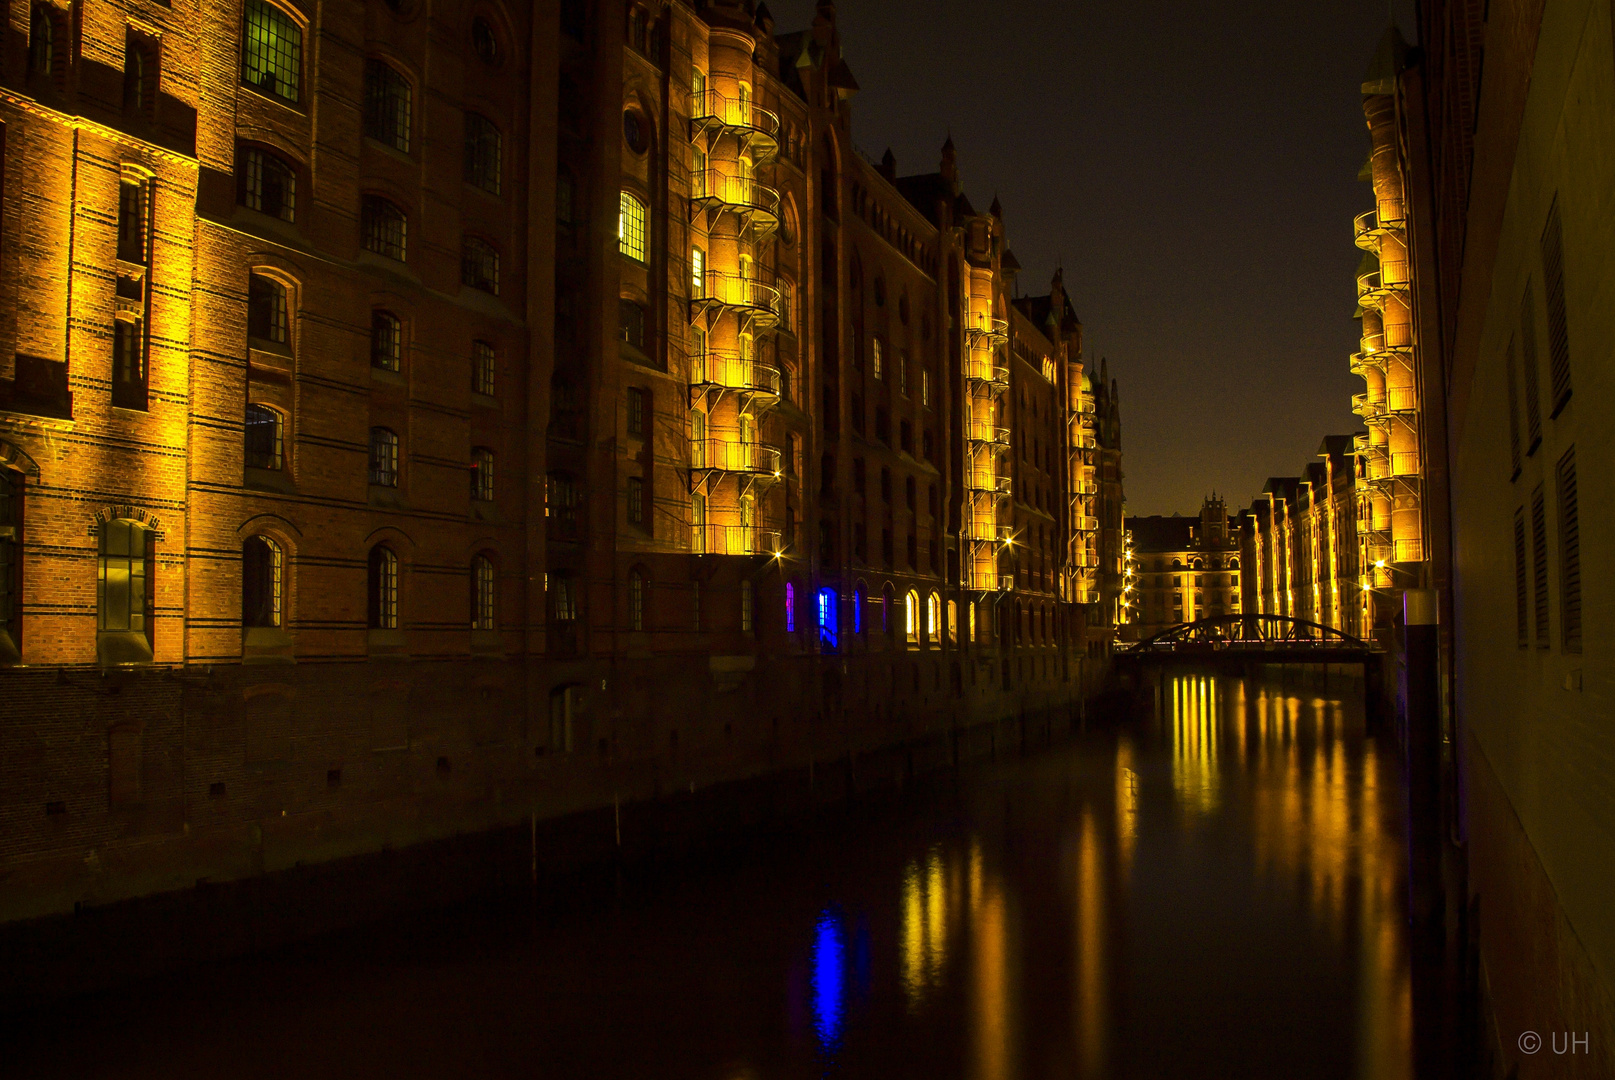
(1553, 273)
(1533, 402)
(1539, 565)
(1569, 555)
(1522, 604)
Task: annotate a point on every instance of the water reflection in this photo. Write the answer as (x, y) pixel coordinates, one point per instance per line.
(829, 980)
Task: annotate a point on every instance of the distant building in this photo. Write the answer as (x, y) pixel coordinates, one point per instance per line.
(1186, 568)
(1301, 545)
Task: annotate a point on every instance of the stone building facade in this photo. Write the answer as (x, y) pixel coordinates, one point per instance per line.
(499, 411)
(1185, 569)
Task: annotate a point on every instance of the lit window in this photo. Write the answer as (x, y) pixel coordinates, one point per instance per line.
(482, 593)
(786, 298)
(264, 438)
(911, 616)
(482, 474)
(11, 489)
(383, 227)
(482, 368)
(262, 568)
(479, 265)
(698, 272)
(123, 597)
(875, 355)
(631, 226)
(383, 457)
(828, 618)
(483, 153)
(272, 50)
(925, 388)
(563, 597)
(383, 589)
(386, 341)
(268, 185)
(858, 602)
(953, 621)
(933, 616)
(386, 105)
(790, 608)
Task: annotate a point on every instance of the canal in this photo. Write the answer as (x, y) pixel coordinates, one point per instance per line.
(1211, 889)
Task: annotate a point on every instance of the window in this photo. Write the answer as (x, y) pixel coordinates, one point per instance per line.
(264, 439)
(482, 368)
(386, 105)
(128, 365)
(635, 131)
(902, 372)
(262, 572)
(1533, 406)
(561, 506)
(1522, 605)
(698, 273)
(636, 411)
(790, 608)
(829, 618)
(383, 227)
(382, 592)
(383, 457)
(484, 42)
(11, 489)
(875, 351)
(925, 390)
(479, 265)
(859, 599)
(911, 616)
(1569, 554)
(271, 51)
(636, 501)
(41, 41)
(132, 222)
(747, 600)
(786, 299)
(139, 74)
(953, 622)
(123, 593)
(1539, 565)
(482, 474)
(386, 341)
(268, 184)
(933, 617)
(631, 227)
(1553, 273)
(482, 153)
(631, 323)
(636, 599)
(483, 593)
(563, 597)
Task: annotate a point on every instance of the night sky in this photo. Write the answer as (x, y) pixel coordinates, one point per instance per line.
(1191, 164)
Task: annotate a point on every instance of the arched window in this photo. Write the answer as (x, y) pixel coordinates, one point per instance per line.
(387, 104)
(382, 593)
(483, 592)
(631, 323)
(123, 591)
(561, 506)
(11, 502)
(483, 153)
(262, 582)
(482, 368)
(790, 608)
(265, 438)
(383, 457)
(482, 474)
(953, 622)
(632, 227)
(479, 265)
(911, 616)
(636, 599)
(41, 41)
(484, 41)
(386, 341)
(859, 599)
(272, 50)
(266, 310)
(268, 184)
(1233, 564)
(888, 610)
(933, 618)
(383, 227)
(970, 613)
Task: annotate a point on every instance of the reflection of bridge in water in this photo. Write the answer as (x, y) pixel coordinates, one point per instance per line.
(1273, 639)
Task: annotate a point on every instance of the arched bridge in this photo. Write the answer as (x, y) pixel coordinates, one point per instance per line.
(1271, 638)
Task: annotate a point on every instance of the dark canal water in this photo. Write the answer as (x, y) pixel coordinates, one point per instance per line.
(1213, 891)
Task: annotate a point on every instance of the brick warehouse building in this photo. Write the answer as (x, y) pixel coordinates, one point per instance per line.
(417, 420)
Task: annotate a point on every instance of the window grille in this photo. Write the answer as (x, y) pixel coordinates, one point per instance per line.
(269, 185)
(383, 457)
(482, 368)
(482, 474)
(272, 50)
(631, 227)
(479, 265)
(383, 590)
(1553, 273)
(262, 571)
(482, 153)
(387, 105)
(383, 226)
(483, 587)
(263, 438)
(636, 600)
(386, 341)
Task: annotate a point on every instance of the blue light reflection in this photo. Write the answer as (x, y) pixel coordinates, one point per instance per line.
(829, 980)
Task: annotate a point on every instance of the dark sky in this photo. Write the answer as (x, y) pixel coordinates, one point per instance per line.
(1193, 166)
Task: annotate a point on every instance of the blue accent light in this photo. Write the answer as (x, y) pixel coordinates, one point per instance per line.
(829, 612)
(829, 980)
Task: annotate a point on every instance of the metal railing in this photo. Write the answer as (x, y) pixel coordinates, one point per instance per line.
(989, 331)
(1083, 440)
(733, 540)
(991, 483)
(737, 192)
(991, 531)
(1410, 550)
(1365, 227)
(1083, 523)
(1404, 463)
(1401, 398)
(978, 432)
(759, 300)
(983, 366)
(710, 108)
(716, 368)
(1084, 487)
(734, 457)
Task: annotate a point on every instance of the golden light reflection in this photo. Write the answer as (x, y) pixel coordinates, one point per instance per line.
(1126, 804)
(1091, 1005)
(923, 945)
(990, 989)
(1194, 743)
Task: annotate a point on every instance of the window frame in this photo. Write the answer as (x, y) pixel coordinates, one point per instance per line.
(382, 588)
(633, 227)
(265, 158)
(271, 592)
(389, 105)
(386, 340)
(289, 22)
(384, 442)
(376, 214)
(478, 170)
(277, 452)
(484, 593)
(479, 264)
